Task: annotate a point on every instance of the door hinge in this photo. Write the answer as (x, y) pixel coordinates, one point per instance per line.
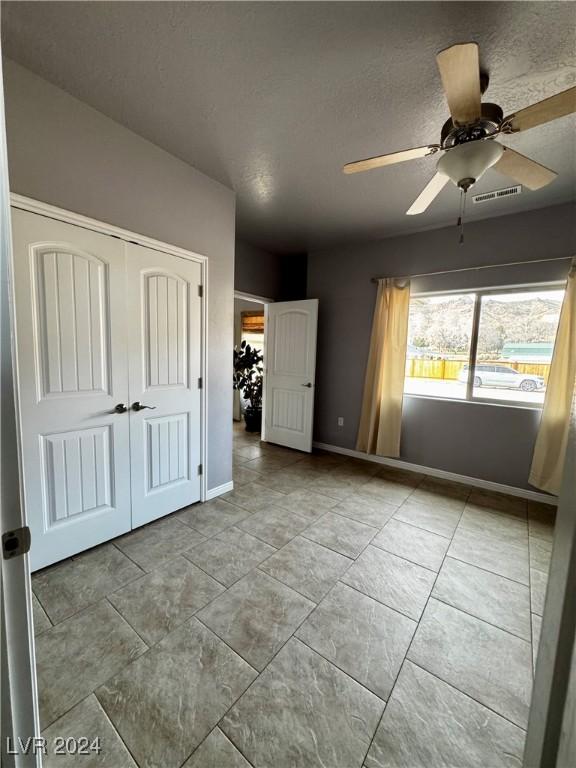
(200, 383)
(16, 542)
(200, 469)
(200, 291)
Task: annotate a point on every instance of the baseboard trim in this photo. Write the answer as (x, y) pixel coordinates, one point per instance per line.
(443, 474)
(212, 493)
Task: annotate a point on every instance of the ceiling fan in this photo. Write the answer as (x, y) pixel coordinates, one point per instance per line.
(467, 137)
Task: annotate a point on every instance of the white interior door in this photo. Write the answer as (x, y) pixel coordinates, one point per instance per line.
(290, 345)
(72, 373)
(164, 318)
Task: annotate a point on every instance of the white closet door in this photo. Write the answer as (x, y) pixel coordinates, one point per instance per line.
(164, 318)
(72, 372)
(290, 360)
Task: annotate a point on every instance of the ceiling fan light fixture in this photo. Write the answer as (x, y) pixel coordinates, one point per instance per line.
(466, 163)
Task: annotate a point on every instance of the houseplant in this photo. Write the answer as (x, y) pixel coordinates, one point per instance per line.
(248, 377)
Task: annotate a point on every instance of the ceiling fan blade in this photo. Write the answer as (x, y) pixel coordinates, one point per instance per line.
(460, 72)
(430, 191)
(524, 171)
(394, 157)
(542, 112)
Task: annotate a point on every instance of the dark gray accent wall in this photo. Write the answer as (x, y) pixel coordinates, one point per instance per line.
(281, 277)
(491, 442)
(257, 271)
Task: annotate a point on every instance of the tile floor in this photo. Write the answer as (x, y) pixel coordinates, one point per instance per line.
(327, 613)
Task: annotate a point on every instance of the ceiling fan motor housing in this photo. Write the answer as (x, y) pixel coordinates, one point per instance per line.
(488, 124)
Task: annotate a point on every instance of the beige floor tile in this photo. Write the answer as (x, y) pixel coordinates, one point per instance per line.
(489, 552)
(212, 517)
(485, 662)
(163, 599)
(162, 540)
(217, 751)
(230, 555)
(77, 655)
(307, 567)
(411, 543)
(398, 583)
(256, 616)
(360, 636)
(85, 724)
(75, 584)
(303, 711)
(429, 724)
(489, 597)
(342, 534)
(274, 526)
(41, 620)
(167, 702)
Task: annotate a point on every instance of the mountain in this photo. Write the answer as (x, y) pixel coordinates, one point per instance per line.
(443, 325)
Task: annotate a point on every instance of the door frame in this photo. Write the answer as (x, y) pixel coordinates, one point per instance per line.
(19, 709)
(77, 219)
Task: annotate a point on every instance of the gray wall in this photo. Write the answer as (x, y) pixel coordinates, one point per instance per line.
(257, 271)
(274, 276)
(63, 152)
(489, 442)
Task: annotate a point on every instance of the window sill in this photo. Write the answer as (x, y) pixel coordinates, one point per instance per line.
(480, 401)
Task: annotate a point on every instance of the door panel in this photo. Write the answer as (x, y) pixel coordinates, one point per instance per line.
(72, 371)
(70, 290)
(290, 372)
(165, 313)
(77, 473)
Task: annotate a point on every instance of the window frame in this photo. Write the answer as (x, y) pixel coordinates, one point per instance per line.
(476, 315)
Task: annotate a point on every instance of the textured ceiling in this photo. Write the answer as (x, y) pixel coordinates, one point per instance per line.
(273, 98)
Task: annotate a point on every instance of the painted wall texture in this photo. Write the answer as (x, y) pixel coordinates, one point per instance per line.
(61, 151)
(275, 276)
(485, 441)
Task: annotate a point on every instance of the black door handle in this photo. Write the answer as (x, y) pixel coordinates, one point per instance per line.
(120, 408)
(309, 385)
(137, 406)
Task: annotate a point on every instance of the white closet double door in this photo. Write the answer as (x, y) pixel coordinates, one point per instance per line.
(109, 362)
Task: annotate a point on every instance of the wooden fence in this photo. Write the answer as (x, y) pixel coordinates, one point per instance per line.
(449, 369)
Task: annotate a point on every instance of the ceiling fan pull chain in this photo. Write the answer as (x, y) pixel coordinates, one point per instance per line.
(462, 213)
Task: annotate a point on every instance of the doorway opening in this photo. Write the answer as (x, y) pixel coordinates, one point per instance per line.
(249, 327)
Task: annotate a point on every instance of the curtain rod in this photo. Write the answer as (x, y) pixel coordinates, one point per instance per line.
(470, 269)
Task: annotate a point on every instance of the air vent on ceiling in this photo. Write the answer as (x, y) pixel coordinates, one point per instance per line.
(508, 192)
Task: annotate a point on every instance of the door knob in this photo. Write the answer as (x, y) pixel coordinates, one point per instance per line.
(139, 407)
(120, 408)
(307, 385)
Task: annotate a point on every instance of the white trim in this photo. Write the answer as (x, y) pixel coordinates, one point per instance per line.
(443, 474)
(212, 493)
(77, 219)
(252, 297)
(204, 390)
(18, 664)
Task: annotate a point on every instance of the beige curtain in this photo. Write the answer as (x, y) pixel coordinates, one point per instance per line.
(550, 448)
(380, 422)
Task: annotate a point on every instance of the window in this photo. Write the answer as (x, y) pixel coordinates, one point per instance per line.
(513, 332)
(439, 337)
(516, 333)
(252, 330)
